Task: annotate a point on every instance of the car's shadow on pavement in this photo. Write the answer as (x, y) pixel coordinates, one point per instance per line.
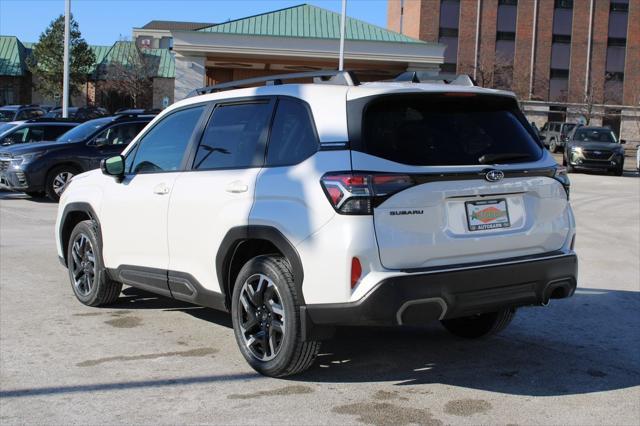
(588, 343)
(133, 298)
(585, 344)
(7, 195)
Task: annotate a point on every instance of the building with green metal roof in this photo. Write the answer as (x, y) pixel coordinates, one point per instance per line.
(293, 39)
(16, 80)
(14, 75)
(188, 55)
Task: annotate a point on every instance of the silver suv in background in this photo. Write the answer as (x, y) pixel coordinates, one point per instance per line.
(554, 134)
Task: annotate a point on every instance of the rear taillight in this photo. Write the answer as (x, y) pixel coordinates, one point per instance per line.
(359, 193)
(560, 174)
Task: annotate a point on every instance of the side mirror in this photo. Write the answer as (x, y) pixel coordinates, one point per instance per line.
(623, 141)
(100, 142)
(113, 166)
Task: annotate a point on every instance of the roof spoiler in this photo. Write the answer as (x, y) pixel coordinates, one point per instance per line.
(342, 78)
(435, 77)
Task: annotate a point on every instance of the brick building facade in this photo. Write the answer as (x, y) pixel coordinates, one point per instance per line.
(565, 59)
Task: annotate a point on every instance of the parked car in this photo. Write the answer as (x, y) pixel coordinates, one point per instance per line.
(79, 113)
(301, 207)
(20, 112)
(36, 130)
(554, 134)
(594, 148)
(47, 167)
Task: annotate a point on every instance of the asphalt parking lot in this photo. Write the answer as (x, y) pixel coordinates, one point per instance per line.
(151, 360)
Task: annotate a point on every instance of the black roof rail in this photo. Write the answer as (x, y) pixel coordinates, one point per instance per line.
(137, 111)
(52, 120)
(431, 77)
(344, 78)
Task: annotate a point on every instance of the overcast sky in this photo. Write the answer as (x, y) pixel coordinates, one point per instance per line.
(104, 21)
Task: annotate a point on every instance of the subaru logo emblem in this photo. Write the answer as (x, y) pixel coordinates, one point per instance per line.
(494, 175)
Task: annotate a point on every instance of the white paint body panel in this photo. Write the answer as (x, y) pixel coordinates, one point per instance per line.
(203, 208)
(133, 218)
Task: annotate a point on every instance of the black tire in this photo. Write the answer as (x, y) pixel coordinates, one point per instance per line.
(480, 325)
(274, 285)
(97, 289)
(618, 171)
(51, 184)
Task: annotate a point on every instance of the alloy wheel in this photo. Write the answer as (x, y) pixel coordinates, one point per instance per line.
(61, 181)
(261, 317)
(83, 264)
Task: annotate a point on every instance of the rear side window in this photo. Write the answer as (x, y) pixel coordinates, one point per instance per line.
(234, 137)
(163, 147)
(443, 129)
(51, 133)
(293, 136)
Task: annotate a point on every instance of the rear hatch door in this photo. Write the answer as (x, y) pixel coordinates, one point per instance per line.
(480, 186)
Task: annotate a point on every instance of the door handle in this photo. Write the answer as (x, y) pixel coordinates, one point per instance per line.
(237, 187)
(161, 189)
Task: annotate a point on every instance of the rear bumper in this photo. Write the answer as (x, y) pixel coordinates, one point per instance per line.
(433, 295)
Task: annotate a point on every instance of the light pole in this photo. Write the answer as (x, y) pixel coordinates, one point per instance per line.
(65, 72)
(343, 20)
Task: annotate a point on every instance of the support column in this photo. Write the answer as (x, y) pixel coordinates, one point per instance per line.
(467, 36)
(524, 44)
(631, 87)
(599, 49)
(579, 53)
(190, 75)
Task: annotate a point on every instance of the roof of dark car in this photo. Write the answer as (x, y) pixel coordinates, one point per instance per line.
(595, 128)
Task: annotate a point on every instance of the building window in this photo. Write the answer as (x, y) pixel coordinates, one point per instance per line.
(612, 120)
(619, 6)
(563, 4)
(448, 35)
(507, 15)
(557, 113)
(449, 13)
(562, 21)
(615, 59)
(618, 24)
(558, 85)
(613, 82)
(560, 55)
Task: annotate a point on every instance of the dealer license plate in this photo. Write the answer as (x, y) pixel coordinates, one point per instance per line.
(487, 214)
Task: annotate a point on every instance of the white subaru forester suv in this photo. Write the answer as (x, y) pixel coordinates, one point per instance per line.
(302, 207)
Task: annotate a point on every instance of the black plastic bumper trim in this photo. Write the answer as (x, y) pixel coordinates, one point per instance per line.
(413, 299)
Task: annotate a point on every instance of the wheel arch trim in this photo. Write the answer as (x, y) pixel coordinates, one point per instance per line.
(75, 207)
(235, 236)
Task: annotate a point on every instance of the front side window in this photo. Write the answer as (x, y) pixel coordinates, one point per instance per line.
(293, 137)
(163, 147)
(234, 137)
(444, 129)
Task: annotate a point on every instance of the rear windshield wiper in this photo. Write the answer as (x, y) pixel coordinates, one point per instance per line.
(497, 158)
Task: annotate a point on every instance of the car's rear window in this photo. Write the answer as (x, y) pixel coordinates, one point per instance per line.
(447, 129)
